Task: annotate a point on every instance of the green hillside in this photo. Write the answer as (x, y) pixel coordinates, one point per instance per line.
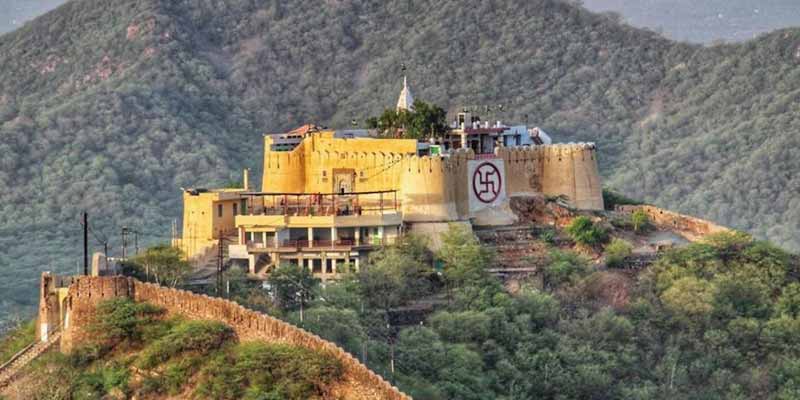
(113, 106)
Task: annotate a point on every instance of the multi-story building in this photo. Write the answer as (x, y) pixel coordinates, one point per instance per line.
(329, 197)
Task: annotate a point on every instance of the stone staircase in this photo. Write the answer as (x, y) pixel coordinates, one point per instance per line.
(12, 367)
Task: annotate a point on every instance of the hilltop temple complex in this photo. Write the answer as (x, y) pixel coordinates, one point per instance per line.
(329, 197)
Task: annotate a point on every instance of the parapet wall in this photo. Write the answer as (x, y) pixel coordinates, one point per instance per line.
(432, 188)
(87, 292)
(427, 189)
(690, 227)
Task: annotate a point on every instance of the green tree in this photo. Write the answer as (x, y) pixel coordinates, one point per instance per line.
(640, 220)
(689, 296)
(563, 268)
(425, 120)
(162, 264)
(294, 287)
(392, 278)
(465, 260)
(789, 301)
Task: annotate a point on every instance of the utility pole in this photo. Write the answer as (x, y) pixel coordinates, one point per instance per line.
(136, 241)
(85, 243)
(124, 241)
(220, 254)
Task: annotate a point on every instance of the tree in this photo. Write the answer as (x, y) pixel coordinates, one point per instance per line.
(162, 264)
(563, 267)
(293, 287)
(392, 278)
(425, 120)
(640, 220)
(465, 260)
(789, 302)
(689, 296)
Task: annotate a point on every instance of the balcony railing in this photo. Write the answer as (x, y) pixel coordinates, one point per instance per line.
(328, 204)
(297, 244)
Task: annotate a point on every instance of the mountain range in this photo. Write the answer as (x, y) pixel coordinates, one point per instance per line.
(112, 106)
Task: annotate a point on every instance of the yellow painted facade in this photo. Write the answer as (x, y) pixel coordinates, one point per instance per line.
(425, 189)
(205, 216)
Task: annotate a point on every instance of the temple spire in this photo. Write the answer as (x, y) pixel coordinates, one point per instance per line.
(406, 100)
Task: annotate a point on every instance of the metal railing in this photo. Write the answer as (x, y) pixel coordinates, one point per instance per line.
(323, 204)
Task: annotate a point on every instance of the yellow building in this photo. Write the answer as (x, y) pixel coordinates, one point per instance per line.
(328, 197)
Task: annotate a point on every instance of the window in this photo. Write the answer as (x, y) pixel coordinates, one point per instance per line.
(235, 209)
(324, 173)
(219, 210)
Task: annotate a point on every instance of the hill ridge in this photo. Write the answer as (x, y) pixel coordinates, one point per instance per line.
(716, 139)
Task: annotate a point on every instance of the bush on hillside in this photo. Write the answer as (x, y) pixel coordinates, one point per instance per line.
(617, 251)
(584, 231)
(201, 337)
(121, 319)
(257, 370)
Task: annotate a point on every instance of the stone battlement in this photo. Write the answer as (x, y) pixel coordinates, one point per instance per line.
(78, 308)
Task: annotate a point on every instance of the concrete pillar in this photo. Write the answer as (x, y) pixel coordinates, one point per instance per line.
(311, 265)
(264, 238)
(333, 266)
(251, 263)
(333, 236)
(241, 235)
(381, 234)
(358, 236)
(356, 265)
(310, 237)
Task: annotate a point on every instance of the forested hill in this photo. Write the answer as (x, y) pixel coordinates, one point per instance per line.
(113, 105)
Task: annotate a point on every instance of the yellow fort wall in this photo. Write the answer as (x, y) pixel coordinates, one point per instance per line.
(309, 168)
(428, 189)
(459, 164)
(571, 170)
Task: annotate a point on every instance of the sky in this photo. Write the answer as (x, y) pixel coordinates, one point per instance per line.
(699, 21)
(705, 21)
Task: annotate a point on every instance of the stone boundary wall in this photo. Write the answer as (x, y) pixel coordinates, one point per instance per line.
(86, 292)
(691, 227)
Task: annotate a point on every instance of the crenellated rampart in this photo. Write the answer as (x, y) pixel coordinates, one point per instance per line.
(432, 188)
(85, 293)
(428, 189)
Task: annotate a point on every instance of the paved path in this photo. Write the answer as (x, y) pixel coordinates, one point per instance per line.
(12, 367)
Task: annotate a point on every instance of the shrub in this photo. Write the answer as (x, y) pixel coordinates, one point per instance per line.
(585, 232)
(617, 251)
(564, 267)
(640, 221)
(257, 370)
(121, 319)
(548, 236)
(191, 336)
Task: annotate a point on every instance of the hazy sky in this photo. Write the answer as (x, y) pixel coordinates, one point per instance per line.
(699, 21)
(703, 21)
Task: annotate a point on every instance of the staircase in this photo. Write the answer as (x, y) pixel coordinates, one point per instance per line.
(12, 367)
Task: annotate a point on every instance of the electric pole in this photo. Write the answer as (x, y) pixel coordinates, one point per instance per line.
(124, 241)
(136, 241)
(85, 243)
(220, 254)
